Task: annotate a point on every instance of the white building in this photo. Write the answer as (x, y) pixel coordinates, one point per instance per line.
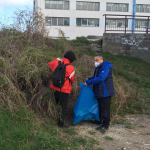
(85, 17)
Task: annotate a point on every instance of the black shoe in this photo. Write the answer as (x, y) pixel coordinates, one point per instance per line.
(102, 128)
(96, 122)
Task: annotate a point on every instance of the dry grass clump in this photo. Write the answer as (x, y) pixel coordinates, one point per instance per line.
(87, 62)
(10, 95)
(125, 98)
(24, 57)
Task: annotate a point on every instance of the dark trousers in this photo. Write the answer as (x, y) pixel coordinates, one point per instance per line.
(104, 110)
(62, 100)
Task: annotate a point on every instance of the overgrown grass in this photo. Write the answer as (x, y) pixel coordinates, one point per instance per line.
(24, 131)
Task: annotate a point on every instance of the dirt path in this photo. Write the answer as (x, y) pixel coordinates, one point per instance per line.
(133, 136)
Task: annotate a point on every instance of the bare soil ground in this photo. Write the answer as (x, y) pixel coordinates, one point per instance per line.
(133, 135)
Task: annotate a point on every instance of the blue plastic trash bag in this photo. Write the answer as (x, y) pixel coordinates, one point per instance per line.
(87, 106)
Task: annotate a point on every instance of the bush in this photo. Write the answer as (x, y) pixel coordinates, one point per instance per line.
(81, 41)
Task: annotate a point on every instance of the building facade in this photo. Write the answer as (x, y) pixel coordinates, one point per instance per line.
(78, 18)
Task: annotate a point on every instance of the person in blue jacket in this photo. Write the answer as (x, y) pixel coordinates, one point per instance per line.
(103, 89)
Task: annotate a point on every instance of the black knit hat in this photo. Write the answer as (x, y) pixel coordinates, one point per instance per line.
(70, 55)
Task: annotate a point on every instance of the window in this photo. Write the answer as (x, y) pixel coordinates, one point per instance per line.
(117, 7)
(87, 22)
(84, 5)
(51, 4)
(96, 6)
(87, 6)
(90, 6)
(116, 23)
(66, 21)
(143, 8)
(60, 4)
(60, 21)
(84, 22)
(141, 23)
(66, 4)
(93, 22)
(48, 21)
(53, 21)
(78, 21)
(47, 4)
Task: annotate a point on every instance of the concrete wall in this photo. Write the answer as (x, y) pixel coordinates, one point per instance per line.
(135, 45)
(74, 31)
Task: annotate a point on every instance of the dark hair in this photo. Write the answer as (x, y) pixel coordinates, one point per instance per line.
(100, 56)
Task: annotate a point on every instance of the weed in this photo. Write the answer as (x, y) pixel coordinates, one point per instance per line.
(90, 144)
(103, 131)
(109, 138)
(139, 106)
(71, 132)
(91, 132)
(79, 141)
(93, 141)
(128, 126)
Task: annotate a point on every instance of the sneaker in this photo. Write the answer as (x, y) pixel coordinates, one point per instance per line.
(102, 128)
(96, 122)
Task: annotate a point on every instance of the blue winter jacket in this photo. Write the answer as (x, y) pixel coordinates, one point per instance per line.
(102, 81)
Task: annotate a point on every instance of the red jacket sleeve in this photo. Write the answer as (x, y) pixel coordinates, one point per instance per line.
(72, 79)
(72, 74)
(53, 64)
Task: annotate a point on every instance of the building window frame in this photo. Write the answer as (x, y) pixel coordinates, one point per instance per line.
(49, 4)
(141, 23)
(85, 5)
(87, 22)
(116, 23)
(117, 7)
(145, 7)
(49, 21)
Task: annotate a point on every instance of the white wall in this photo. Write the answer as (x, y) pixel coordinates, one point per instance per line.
(73, 31)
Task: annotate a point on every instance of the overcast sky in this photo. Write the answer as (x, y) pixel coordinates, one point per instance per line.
(7, 7)
(15, 2)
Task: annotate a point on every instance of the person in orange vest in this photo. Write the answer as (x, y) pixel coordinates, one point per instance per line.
(62, 94)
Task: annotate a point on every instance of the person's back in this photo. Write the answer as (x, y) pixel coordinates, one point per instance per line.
(62, 94)
(69, 75)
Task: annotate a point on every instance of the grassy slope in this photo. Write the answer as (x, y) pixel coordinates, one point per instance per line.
(23, 131)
